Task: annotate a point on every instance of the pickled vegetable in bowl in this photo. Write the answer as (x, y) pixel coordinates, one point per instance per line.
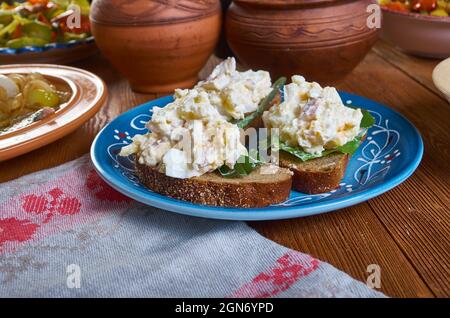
(440, 8)
(37, 23)
(26, 98)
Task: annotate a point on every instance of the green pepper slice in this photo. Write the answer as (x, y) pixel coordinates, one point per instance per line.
(42, 98)
(69, 36)
(38, 30)
(83, 4)
(53, 13)
(25, 41)
(10, 28)
(5, 17)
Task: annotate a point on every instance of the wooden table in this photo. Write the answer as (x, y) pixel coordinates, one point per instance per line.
(405, 231)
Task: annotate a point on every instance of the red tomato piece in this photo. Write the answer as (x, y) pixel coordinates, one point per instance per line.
(423, 5)
(396, 6)
(85, 26)
(43, 2)
(17, 33)
(43, 19)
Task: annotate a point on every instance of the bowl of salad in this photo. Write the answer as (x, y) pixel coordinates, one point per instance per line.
(419, 27)
(41, 31)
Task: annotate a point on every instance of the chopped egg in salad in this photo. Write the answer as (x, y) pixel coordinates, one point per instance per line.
(188, 138)
(192, 135)
(235, 93)
(312, 117)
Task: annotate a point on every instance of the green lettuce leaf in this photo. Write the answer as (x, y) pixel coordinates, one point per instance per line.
(243, 167)
(246, 164)
(368, 120)
(299, 152)
(349, 148)
(243, 123)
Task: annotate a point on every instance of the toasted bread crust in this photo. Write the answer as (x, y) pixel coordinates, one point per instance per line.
(315, 177)
(212, 189)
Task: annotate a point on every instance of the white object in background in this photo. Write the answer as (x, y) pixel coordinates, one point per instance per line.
(441, 78)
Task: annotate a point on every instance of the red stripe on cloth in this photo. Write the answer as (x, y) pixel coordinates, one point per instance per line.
(286, 271)
(77, 197)
(12, 229)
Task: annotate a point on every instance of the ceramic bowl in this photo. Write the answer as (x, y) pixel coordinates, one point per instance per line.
(417, 34)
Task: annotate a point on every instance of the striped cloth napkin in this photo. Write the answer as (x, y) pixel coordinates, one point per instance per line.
(65, 233)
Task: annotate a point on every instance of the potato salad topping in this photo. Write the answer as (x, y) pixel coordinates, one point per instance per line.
(313, 118)
(193, 135)
(235, 93)
(188, 137)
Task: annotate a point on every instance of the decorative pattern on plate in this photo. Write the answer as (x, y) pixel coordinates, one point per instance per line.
(371, 163)
(126, 164)
(377, 153)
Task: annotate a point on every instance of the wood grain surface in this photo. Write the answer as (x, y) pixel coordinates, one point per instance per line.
(405, 231)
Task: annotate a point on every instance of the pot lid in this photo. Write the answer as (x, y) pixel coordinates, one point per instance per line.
(145, 12)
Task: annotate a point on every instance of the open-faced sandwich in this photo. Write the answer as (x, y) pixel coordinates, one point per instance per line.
(194, 150)
(317, 134)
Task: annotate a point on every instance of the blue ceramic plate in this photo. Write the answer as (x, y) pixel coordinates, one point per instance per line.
(390, 154)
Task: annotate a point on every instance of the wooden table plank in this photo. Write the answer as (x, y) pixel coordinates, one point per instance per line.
(416, 214)
(420, 69)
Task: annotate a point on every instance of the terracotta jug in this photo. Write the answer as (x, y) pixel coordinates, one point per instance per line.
(320, 39)
(159, 45)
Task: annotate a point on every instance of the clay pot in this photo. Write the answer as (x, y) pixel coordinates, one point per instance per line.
(159, 45)
(322, 40)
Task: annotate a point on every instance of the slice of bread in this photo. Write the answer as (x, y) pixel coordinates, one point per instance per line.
(317, 175)
(252, 191)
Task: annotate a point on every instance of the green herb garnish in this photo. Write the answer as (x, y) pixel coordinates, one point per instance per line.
(243, 123)
(368, 120)
(246, 164)
(243, 167)
(298, 152)
(349, 148)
